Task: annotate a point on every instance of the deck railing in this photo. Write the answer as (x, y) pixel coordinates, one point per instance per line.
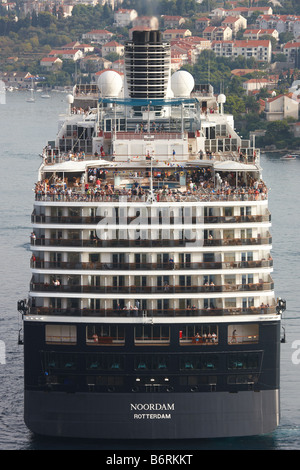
(88, 220)
(149, 313)
(147, 243)
(41, 264)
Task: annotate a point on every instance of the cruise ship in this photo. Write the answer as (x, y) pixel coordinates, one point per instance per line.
(151, 311)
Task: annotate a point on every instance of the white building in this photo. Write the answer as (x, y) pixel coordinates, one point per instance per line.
(71, 54)
(112, 47)
(291, 50)
(124, 17)
(235, 23)
(259, 50)
(99, 36)
(282, 23)
(258, 33)
(281, 107)
(255, 84)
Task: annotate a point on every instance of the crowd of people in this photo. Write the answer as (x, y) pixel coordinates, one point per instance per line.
(196, 188)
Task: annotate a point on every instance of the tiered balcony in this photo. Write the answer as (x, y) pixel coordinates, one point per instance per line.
(149, 313)
(92, 266)
(146, 290)
(148, 243)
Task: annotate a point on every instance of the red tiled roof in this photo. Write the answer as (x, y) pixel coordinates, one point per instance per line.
(290, 45)
(113, 44)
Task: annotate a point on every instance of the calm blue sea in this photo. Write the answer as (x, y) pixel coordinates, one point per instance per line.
(24, 130)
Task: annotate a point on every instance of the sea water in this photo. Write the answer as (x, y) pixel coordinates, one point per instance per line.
(25, 129)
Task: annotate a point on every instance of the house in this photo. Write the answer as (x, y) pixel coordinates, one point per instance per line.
(266, 10)
(176, 63)
(237, 11)
(99, 36)
(255, 84)
(259, 50)
(76, 45)
(182, 52)
(218, 13)
(222, 48)
(94, 63)
(217, 33)
(173, 21)
(248, 12)
(202, 23)
(118, 65)
(281, 107)
(198, 42)
(124, 17)
(51, 63)
(16, 79)
(282, 23)
(291, 50)
(67, 54)
(112, 46)
(257, 33)
(189, 48)
(170, 34)
(235, 23)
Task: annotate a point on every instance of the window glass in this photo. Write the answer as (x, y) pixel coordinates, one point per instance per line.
(242, 361)
(243, 333)
(151, 334)
(63, 334)
(151, 362)
(198, 362)
(200, 334)
(104, 362)
(105, 335)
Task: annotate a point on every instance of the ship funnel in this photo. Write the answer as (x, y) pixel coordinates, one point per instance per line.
(147, 65)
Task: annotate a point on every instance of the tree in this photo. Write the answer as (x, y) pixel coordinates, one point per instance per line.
(278, 131)
(235, 105)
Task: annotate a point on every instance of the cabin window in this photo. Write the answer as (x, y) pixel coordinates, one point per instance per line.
(243, 334)
(198, 362)
(151, 362)
(151, 334)
(198, 335)
(111, 362)
(242, 361)
(59, 361)
(61, 334)
(105, 335)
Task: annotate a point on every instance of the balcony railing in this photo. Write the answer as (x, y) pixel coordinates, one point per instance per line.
(97, 242)
(40, 264)
(78, 220)
(98, 196)
(166, 289)
(149, 313)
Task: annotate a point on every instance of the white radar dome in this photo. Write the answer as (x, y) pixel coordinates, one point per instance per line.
(182, 83)
(221, 99)
(110, 83)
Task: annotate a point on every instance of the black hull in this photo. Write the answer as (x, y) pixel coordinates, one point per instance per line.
(152, 416)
